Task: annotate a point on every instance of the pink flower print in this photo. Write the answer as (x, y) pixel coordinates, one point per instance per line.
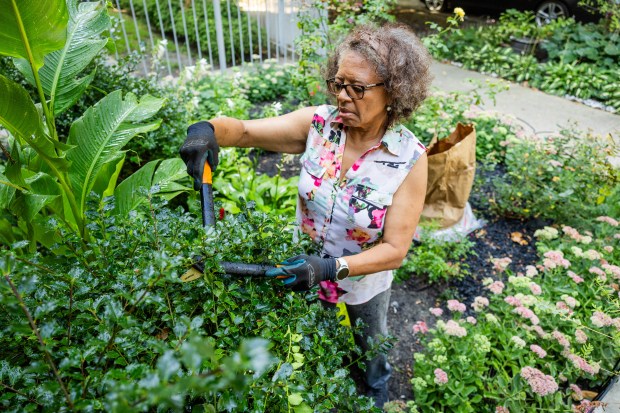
(539, 382)
(357, 164)
(307, 227)
(441, 377)
(420, 327)
(318, 122)
(501, 409)
(377, 218)
(329, 291)
(358, 235)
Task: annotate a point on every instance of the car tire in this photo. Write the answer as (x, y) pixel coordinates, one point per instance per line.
(435, 5)
(549, 11)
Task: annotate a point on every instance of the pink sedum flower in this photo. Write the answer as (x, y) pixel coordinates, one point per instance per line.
(600, 319)
(577, 279)
(441, 377)
(577, 394)
(582, 364)
(535, 289)
(452, 328)
(501, 409)
(480, 303)
(496, 287)
(420, 327)
(581, 337)
(608, 220)
(539, 351)
(471, 320)
(436, 311)
(500, 264)
(612, 270)
(539, 382)
(531, 271)
(561, 339)
(513, 301)
(554, 259)
(456, 306)
(528, 314)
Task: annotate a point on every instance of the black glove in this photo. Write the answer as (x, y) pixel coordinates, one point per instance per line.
(304, 272)
(199, 146)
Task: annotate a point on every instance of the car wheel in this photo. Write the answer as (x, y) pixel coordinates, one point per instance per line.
(549, 11)
(435, 5)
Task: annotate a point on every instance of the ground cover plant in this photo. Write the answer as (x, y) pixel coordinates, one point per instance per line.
(538, 339)
(569, 58)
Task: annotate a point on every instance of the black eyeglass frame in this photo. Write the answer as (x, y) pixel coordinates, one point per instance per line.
(345, 86)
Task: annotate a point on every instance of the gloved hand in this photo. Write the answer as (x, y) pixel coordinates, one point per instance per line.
(304, 271)
(199, 146)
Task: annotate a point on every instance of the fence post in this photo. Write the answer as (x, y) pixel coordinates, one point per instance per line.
(163, 36)
(174, 34)
(197, 32)
(208, 29)
(230, 31)
(219, 32)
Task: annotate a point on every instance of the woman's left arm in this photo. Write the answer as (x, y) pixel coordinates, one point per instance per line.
(401, 221)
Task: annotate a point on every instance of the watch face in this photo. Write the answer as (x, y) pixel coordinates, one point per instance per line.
(343, 272)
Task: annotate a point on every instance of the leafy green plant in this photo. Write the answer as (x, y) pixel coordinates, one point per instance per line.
(44, 174)
(112, 327)
(581, 58)
(236, 182)
(438, 260)
(565, 178)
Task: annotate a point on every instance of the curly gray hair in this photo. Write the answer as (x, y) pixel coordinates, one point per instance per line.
(400, 60)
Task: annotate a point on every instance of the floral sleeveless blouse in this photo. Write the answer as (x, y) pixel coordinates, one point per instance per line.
(345, 216)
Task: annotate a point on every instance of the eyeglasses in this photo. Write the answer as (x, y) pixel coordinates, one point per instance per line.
(355, 92)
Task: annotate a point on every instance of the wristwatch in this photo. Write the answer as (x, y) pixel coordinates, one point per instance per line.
(342, 271)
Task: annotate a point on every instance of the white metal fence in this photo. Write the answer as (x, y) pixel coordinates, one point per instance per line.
(222, 32)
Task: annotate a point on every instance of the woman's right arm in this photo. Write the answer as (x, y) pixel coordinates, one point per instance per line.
(286, 133)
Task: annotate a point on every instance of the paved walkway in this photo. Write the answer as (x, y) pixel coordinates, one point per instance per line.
(537, 110)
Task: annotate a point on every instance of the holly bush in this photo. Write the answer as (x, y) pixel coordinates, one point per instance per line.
(111, 327)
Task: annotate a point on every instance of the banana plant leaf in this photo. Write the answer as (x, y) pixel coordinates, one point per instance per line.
(87, 21)
(36, 26)
(100, 134)
(159, 177)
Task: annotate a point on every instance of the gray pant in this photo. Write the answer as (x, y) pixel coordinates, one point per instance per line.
(374, 315)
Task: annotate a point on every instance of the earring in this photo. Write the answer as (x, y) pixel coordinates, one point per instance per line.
(389, 108)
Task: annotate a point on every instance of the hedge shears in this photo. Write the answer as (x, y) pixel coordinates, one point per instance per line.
(208, 220)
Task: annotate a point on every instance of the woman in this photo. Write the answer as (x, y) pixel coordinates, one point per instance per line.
(363, 177)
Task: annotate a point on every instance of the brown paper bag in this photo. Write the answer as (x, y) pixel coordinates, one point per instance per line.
(451, 170)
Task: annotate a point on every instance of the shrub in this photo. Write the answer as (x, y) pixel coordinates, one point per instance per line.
(564, 178)
(114, 328)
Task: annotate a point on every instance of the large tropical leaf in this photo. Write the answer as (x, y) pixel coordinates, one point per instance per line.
(20, 117)
(100, 134)
(59, 73)
(35, 26)
(163, 174)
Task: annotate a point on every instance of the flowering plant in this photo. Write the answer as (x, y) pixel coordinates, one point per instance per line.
(540, 332)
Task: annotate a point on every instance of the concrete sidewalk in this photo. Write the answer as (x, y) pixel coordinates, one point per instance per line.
(537, 111)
